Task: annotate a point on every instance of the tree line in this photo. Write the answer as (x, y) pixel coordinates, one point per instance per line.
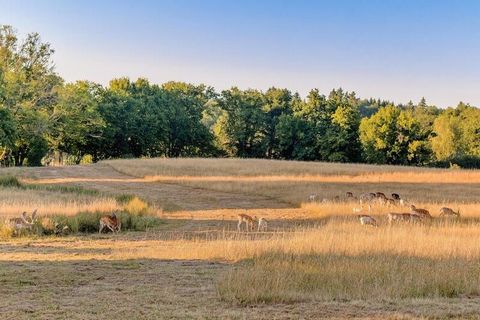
(44, 119)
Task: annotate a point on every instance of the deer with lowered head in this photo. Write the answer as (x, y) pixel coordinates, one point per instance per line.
(110, 222)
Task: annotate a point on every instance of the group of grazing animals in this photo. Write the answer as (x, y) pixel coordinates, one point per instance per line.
(415, 215)
(250, 222)
(380, 198)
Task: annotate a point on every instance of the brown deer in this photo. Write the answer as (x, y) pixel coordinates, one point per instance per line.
(447, 212)
(110, 222)
(262, 224)
(402, 217)
(248, 220)
(395, 196)
(422, 213)
(349, 194)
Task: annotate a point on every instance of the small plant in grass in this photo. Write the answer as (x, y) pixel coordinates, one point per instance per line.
(5, 231)
(136, 206)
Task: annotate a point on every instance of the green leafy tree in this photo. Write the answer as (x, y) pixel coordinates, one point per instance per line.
(29, 91)
(240, 129)
(393, 136)
(76, 123)
(277, 103)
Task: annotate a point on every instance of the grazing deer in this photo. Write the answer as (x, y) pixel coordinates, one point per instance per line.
(110, 222)
(395, 196)
(262, 224)
(367, 197)
(447, 212)
(248, 220)
(24, 222)
(367, 220)
(422, 213)
(402, 217)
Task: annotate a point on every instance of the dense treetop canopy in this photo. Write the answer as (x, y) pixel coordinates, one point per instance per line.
(43, 119)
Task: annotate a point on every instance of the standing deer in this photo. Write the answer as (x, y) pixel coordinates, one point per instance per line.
(447, 212)
(248, 220)
(262, 224)
(110, 222)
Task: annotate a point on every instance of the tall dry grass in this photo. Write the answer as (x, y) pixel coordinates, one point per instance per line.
(249, 167)
(14, 201)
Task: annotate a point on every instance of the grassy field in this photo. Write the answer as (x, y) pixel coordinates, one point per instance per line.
(315, 260)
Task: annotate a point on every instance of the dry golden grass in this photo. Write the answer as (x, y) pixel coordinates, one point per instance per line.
(316, 254)
(248, 167)
(14, 201)
(292, 181)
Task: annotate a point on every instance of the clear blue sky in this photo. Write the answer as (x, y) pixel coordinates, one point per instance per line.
(397, 50)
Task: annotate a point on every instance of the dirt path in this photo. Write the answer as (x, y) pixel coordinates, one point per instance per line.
(169, 196)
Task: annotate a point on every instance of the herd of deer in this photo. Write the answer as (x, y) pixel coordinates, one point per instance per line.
(415, 214)
(26, 222)
(112, 222)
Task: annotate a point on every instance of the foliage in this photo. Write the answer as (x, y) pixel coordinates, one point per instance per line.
(393, 136)
(42, 120)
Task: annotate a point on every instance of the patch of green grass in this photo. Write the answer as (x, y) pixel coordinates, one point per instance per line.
(63, 189)
(10, 182)
(13, 182)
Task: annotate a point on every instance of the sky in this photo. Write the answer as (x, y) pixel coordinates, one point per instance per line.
(397, 50)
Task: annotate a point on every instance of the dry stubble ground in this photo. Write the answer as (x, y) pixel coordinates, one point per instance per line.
(158, 274)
